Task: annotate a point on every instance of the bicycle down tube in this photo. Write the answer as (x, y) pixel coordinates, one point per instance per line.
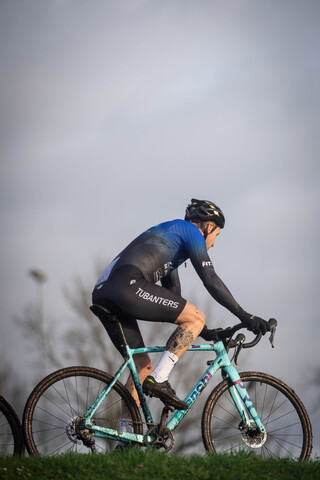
(238, 392)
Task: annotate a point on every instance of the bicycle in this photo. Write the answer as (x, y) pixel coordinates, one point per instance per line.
(84, 406)
(11, 437)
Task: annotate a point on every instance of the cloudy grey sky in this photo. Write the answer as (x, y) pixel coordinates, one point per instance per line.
(115, 113)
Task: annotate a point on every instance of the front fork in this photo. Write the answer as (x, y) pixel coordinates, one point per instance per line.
(243, 403)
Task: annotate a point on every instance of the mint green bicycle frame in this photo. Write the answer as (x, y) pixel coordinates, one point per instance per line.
(237, 391)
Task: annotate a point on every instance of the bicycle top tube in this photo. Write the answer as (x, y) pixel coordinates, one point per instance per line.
(203, 348)
(220, 334)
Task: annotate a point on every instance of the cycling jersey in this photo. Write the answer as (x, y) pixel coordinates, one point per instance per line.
(158, 252)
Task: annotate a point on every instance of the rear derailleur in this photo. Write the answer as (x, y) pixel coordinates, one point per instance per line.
(78, 433)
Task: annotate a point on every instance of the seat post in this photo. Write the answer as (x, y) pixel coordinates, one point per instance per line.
(122, 335)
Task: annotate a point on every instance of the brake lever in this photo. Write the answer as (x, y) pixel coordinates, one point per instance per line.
(237, 353)
(272, 326)
(271, 338)
(238, 344)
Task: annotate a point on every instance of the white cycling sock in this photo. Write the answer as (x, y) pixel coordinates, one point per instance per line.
(164, 366)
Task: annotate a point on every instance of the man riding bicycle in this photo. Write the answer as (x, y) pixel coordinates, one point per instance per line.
(129, 287)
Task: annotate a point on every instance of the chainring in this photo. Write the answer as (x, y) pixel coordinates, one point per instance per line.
(160, 440)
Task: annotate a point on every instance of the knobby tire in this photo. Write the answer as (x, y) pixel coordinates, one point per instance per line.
(11, 437)
(54, 404)
(289, 433)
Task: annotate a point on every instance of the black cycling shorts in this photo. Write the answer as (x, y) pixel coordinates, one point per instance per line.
(128, 294)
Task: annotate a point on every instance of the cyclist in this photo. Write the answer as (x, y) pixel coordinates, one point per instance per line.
(129, 287)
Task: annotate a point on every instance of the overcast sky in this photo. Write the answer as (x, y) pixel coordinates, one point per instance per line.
(115, 113)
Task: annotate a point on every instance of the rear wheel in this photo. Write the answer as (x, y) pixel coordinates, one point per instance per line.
(53, 416)
(288, 429)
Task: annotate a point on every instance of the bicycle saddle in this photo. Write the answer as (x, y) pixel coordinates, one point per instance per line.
(103, 313)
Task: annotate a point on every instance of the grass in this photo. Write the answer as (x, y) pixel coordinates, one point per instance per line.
(150, 465)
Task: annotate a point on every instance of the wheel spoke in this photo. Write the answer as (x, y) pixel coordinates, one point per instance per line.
(53, 417)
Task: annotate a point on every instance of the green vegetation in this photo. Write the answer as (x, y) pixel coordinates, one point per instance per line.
(136, 464)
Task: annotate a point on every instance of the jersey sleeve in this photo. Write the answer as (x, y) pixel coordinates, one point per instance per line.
(195, 247)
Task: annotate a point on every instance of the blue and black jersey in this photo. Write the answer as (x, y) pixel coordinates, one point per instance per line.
(160, 250)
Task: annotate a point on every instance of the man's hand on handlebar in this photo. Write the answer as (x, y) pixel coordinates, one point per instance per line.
(223, 334)
(256, 324)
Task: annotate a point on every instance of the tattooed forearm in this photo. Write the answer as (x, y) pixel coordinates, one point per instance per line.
(179, 340)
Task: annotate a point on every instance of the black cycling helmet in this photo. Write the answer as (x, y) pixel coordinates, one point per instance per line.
(204, 211)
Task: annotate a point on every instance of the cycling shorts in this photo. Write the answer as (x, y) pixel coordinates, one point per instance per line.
(129, 295)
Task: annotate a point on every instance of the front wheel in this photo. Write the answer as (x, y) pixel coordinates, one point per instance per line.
(288, 428)
(53, 417)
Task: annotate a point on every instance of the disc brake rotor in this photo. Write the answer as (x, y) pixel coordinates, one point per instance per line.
(71, 431)
(78, 434)
(252, 437)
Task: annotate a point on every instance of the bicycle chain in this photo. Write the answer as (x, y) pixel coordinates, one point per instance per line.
(114, 421)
